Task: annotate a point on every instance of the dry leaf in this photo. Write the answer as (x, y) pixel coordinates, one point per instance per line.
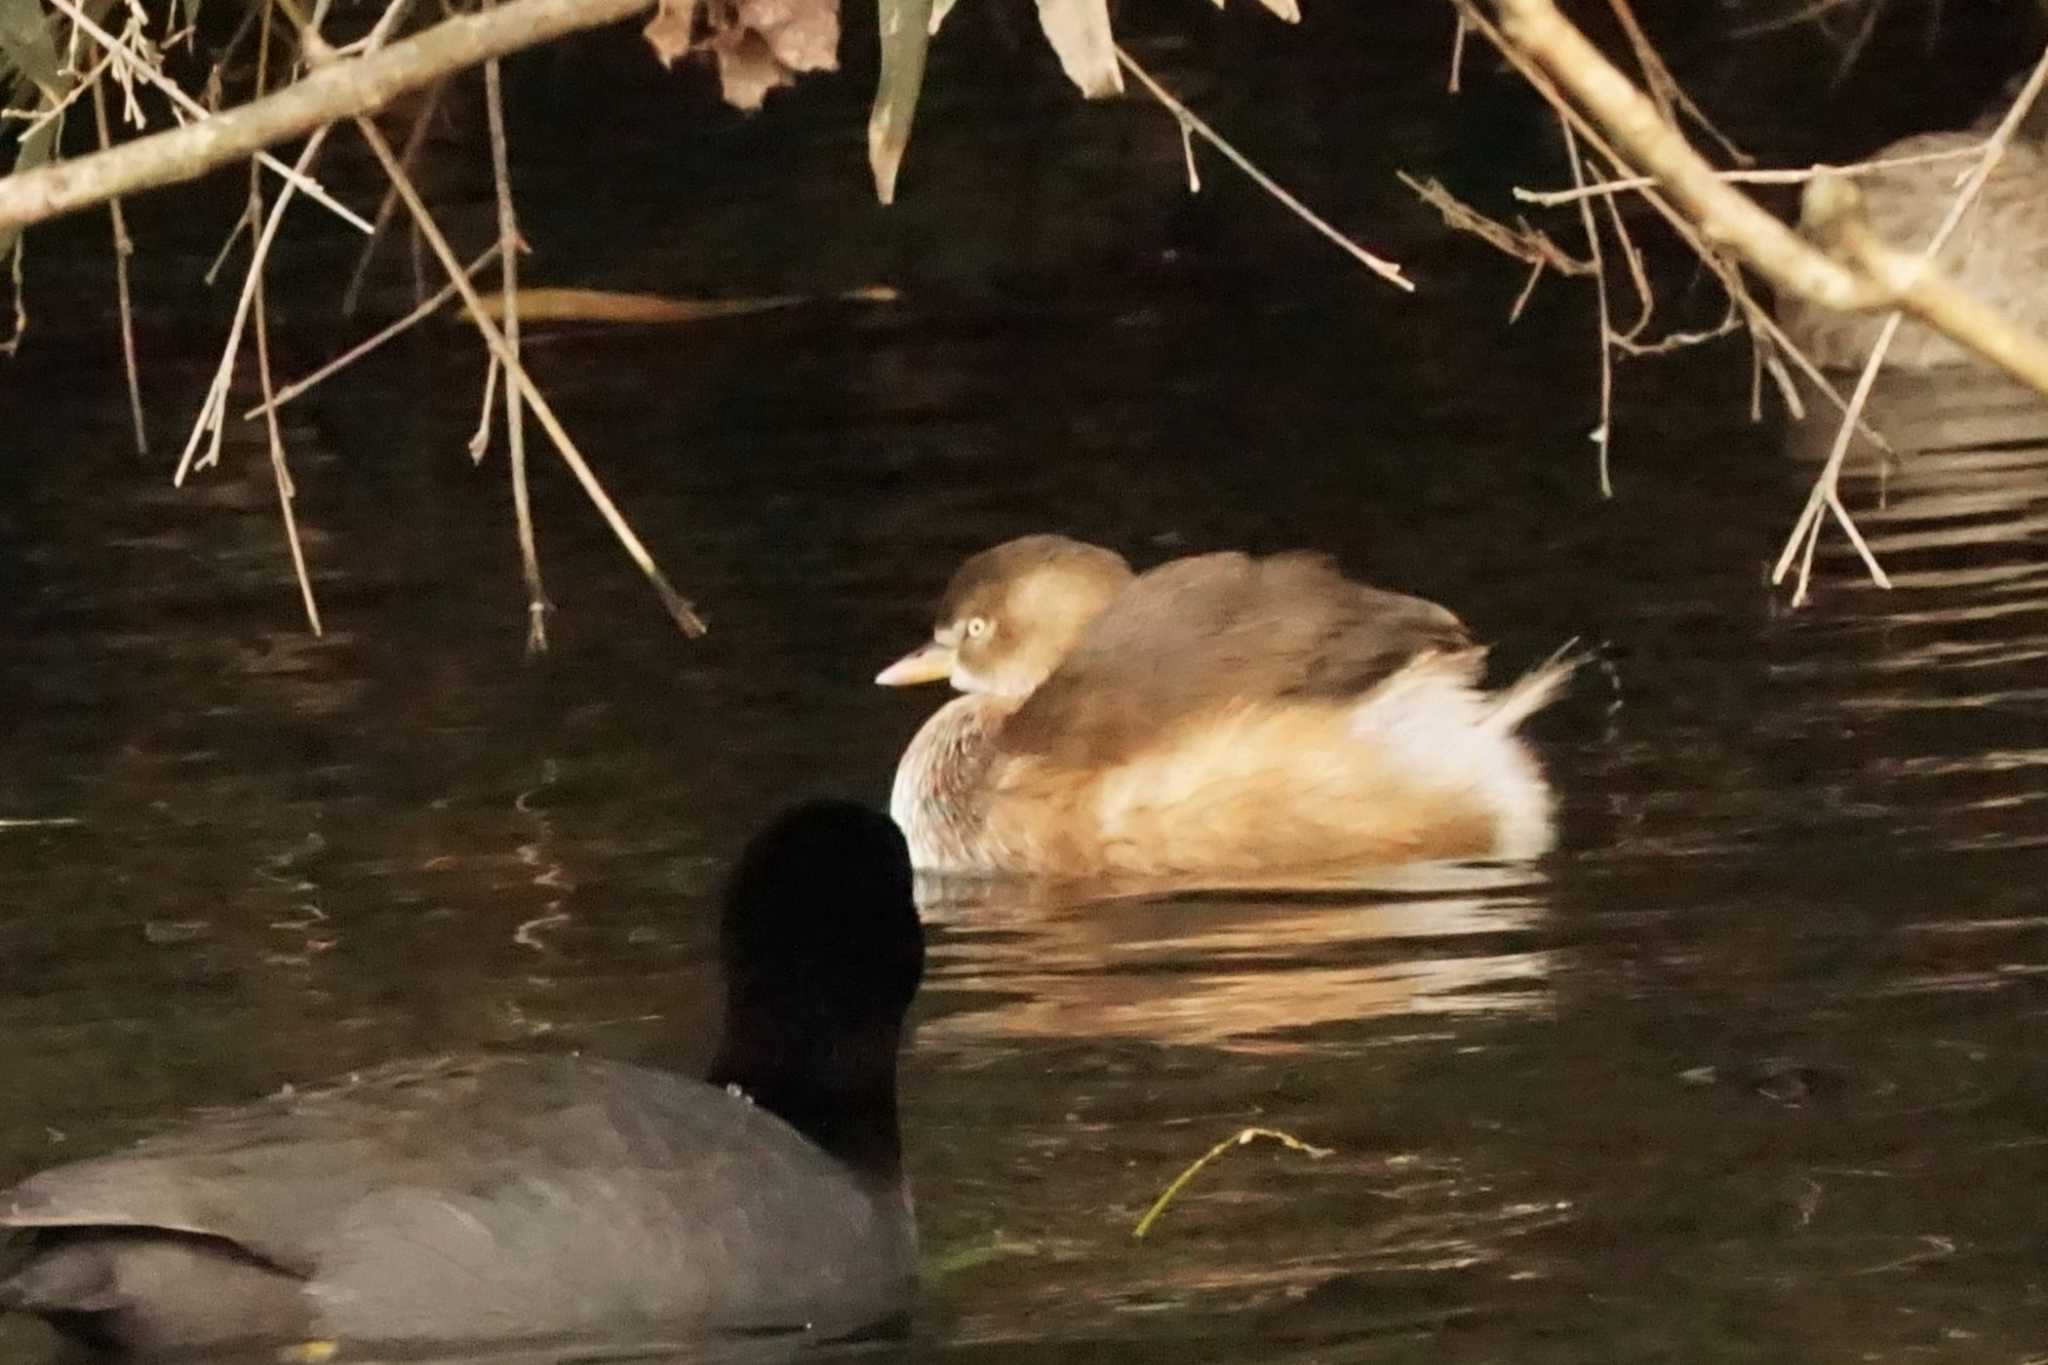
(668, 32)
(906, 33)
(1286, 9)
(759, 45)
(25, 41)
(1079, 32)
(748, 69)
(803, 34)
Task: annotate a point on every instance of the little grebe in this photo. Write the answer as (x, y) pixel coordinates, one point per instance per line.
(1219, 718)
(1998, 252)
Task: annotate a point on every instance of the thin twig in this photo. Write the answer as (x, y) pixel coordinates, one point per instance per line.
(1379, 266)
(287, 491)
(1602, 434)
(124, 76)
(1756, 372)
(124, 247)
(1664, 87)
(214, 408)
(1806, 527)
(1848, 524)
(363, 348)
(216, 73)
(1783, 176)
(416, 138)
(480, 439)
(227, 245)
(1657, 79)
(379, 34)
(537, 607)
(1638, 274)
(1527, 292)
(684, 615)
(1678, 341)
(416, 253)
(1856, 44)
(1761, 320)
(1522, 241)
(1237, 1139)
(14, 259)
(1808, 13)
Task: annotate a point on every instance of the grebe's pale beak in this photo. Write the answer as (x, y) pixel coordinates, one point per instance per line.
(931, 662)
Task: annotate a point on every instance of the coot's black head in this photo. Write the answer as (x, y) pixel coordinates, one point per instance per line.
(822, 952)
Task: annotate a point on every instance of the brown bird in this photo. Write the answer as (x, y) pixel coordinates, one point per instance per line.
(1998, 253)
(1219, 719)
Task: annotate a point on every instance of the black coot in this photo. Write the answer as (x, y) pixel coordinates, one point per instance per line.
(509, 1197)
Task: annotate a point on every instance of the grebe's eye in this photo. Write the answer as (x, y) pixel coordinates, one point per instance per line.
(977, 627)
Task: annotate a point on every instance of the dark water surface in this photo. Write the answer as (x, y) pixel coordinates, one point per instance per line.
(1751, 1068)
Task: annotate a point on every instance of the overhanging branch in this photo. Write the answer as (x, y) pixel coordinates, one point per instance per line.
(342, 89)
(1868, 277)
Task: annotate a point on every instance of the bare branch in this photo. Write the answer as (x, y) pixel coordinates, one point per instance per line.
(1728, 216)
(340, 89)
(1716, 259)
(128, 66)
